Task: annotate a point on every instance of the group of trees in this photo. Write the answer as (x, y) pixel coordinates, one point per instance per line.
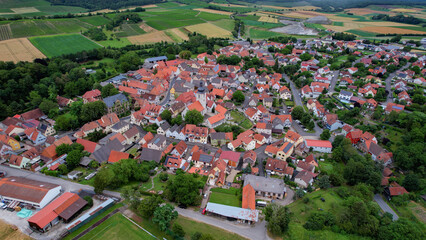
(278, 218)
(299, 113)
(121, 173)
(127, 17)
(238, 97)
(397, 18)
(74, 153)
(232, 60)
(344, 36)
(96, 34)
(184, 189)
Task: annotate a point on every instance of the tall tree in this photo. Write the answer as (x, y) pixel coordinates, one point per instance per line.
(164, 215)
(194, 117)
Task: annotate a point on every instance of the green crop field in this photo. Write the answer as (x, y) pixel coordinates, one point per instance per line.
(361, 33)
(226, 24)
(172, 19)
(262, 34)
(40, 8)
(47, 27)
(57, 45)
(315, 26)
(95, 20)
(212, 17)
(117, 227)
(338, 24)
(129, 30)
(262, 24)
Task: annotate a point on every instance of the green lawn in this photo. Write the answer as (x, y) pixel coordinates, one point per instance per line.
(93, 221)
(240, 119)
(117, 227)
(191, 226)
(289, 103)
(225, 199)
(57, 45)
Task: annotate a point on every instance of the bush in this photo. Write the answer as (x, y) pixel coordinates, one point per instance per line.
(164, 177)
(89, 202)
(178, 231)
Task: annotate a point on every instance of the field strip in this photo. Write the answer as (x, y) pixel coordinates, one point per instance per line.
(390, 30)
(209, 30)
(147, 28)
(213, 11)
(139, 226)
(19, 49)
(152, 37)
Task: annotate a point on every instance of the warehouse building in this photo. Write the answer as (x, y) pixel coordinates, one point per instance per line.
(35, 193)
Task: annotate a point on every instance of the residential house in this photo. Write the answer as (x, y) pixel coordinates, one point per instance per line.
(116, 156)
(174, 162)
(332, 122)
(35, 136)
(285, 151)
(304, 178)
(293, 137)
(120, 127)
(162, 129)
(180, 149)
(345, 96)
(92, 96)
(12, 142)
(220, 138)
(195, 134)
(264, 128)
(231, 158)
(249, 157)
(199, 158)
(285, 93)
(16, 161)
(118, 104)
(323, 146)
(278, 167)
(266, 187)
(394, 107)
(158, 143)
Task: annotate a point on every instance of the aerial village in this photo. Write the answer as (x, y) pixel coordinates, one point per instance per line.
(241, 126)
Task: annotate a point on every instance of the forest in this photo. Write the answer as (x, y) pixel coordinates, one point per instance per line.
(398, 18)
(94, 5)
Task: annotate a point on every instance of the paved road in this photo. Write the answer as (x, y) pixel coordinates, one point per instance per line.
(256, 232)
(261, 156)
(389, 84)
(384, 206)
(296, 94)
(333, 81)
(66, 185)
(167, 98)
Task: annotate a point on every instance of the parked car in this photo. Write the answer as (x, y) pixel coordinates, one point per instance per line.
(305, 129)
(2, 174)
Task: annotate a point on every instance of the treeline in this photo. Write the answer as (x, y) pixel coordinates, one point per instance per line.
(96, 34)
(123, 17)
(238, 28)
(344, 36)
(397, 18)
(94, 5)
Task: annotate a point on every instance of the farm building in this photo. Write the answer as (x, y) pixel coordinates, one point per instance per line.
(240, 214)
(266, 187)
(319, 145)
(63, 208)
(36, 193)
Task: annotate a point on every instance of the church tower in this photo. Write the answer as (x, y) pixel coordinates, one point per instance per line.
(200, 95)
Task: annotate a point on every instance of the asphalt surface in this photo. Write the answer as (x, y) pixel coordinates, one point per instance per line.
(384, 206)
(333, 81)
(389, 84)
(167, 98)
(67, 186)
(296, 94)
(256, 232)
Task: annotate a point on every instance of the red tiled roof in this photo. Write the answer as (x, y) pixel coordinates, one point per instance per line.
(318, 143)
(249, 197)
(116, 156)
(89, 146)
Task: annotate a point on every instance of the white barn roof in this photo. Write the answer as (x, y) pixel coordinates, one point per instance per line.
(233, 212)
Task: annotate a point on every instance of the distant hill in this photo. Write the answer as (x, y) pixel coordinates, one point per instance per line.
(93, 5)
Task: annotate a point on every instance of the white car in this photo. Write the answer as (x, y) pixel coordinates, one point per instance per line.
(305, 129)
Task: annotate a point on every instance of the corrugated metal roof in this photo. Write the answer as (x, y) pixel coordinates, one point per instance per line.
(233, 212)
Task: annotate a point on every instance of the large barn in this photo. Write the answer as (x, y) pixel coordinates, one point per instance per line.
(24, 190)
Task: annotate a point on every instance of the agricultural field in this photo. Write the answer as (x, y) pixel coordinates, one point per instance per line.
(58, 45)
(5, 32)
(9, 232)
(19, 49)
(176, 34)
(226, 24)
(213, 11)
(152, 37)
(116, 43)
(390, 30)
(34, 8)
(127, 30)
(117, 227)
(210, 30)
(256, 33)
(268, 19)
(162, 20)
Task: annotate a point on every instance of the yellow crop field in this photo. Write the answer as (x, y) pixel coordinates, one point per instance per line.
(176, 34)
(149, 6)
(228, 5)
(390, 30)
(213, 11)
(19, 49)
(209, 30)
(152, 37)
(9, 232)
(268, 19)
(405, 10)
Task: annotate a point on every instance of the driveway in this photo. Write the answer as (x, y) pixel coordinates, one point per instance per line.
(384, 206)
(296, 93)
(256, 232)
